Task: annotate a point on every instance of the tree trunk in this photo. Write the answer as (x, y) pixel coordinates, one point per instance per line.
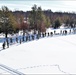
(6, 35)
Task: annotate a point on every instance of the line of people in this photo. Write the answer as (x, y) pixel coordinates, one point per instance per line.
(10, 41)
(30, 37)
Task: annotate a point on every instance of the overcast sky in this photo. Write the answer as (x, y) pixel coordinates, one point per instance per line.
(54, 5)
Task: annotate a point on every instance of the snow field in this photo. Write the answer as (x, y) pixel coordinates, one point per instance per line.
(52, 55)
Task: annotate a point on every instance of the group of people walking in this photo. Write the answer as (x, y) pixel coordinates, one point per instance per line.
(9, 41)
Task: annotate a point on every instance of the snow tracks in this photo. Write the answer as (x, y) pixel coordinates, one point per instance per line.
(10, 70)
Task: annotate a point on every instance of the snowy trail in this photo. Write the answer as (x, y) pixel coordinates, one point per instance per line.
(10, 70)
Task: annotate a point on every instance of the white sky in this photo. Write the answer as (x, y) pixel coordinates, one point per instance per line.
(54, 5)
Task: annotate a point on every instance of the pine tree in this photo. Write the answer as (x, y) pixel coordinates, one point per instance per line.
(7, 20)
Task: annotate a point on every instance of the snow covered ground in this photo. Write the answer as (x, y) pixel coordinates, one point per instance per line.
(49, 55)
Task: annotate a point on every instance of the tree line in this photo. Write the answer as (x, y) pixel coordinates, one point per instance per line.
(36, 19)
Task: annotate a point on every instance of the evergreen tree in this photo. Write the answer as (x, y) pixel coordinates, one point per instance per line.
(7, 21)
(38, 21)
(57, 23)
(48, 22)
